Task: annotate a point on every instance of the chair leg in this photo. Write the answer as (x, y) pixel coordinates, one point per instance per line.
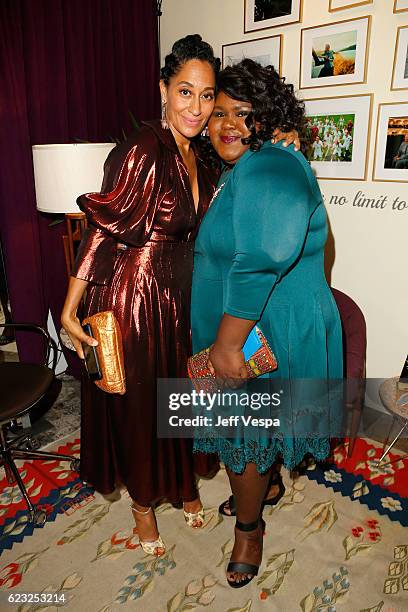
(8, 460)
(33, 454)
(9, 474)
(385, 452)
(355, 426)
(388, 434)
(24, 438)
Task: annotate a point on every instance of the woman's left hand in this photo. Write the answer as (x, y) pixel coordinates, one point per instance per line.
(288, 137)
(228, 366)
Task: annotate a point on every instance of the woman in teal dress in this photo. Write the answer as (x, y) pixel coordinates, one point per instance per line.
(259, 260)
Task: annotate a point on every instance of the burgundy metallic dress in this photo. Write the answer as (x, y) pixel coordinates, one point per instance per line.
(145, 203)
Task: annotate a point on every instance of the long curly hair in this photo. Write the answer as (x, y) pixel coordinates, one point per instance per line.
(188, 48)
(273, 101)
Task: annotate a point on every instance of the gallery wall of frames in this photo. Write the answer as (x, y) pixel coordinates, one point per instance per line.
(348, 59)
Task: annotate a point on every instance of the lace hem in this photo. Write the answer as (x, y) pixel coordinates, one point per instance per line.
(291, 451)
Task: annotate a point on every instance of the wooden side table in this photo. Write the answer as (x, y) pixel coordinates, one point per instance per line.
(390, 394)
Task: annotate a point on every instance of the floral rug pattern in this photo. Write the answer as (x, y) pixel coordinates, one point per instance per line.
(381, 487)
(325, 549)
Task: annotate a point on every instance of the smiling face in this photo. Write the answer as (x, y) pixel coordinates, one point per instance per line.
(227, 127)
(189, 99)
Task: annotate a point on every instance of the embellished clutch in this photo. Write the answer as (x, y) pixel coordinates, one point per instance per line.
(259, 359)
(105, 329)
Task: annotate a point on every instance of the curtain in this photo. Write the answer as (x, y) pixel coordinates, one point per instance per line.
(69, 70)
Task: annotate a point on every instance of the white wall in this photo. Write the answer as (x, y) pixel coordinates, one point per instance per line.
(370, 244)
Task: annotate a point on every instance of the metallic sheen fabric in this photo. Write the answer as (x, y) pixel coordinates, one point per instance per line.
(145, 204)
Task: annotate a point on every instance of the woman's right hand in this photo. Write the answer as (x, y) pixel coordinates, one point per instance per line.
(228, 366)
(72, 326)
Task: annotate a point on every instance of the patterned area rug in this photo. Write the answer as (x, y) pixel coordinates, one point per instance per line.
(326, 548)
(381, 487)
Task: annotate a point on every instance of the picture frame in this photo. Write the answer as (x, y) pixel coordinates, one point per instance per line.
(341, 5)
(335, 53)
(400, 68)
(400, 6)
(338, 136)
(265, 14)
(266, 51)
(390, 161)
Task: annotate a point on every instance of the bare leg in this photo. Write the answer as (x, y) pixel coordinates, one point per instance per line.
(249, 491)
(146, 528)
(271, 492)
(193, 506)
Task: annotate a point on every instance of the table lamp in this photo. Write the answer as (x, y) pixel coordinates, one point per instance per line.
(62, 172)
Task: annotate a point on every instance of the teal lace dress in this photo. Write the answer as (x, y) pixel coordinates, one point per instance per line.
(259, 255)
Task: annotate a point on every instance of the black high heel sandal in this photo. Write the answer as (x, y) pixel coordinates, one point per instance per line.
(276, 480)
(245, 568)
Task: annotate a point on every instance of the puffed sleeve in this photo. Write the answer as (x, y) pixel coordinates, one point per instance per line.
(272, 206)
(124, 210)
(95, 257)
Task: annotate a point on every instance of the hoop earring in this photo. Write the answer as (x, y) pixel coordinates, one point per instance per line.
(164, 122)
(205, 133)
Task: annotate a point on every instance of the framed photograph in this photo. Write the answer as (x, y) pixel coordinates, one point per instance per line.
(400, 6)
(337, 136)
(264, 14)
(391, 147)
(334, 54)
(266, 51)
(400, 69)
(339, 5)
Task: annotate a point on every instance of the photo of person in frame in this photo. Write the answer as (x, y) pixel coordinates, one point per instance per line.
(326, 59)
(334, 55)
(329, 138)
(396, 153)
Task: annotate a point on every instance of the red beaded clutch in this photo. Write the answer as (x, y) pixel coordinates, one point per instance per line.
(260, 362)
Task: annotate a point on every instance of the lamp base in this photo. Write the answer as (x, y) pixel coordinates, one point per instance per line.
(76, 225)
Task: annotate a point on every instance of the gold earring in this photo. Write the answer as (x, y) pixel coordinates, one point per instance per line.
(164, 122)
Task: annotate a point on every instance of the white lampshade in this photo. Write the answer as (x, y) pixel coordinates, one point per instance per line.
(62, 172)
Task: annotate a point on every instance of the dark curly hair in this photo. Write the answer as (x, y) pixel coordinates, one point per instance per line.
(273, 101)
(188, 48)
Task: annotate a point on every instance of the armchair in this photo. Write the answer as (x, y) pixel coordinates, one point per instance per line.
(354, 353)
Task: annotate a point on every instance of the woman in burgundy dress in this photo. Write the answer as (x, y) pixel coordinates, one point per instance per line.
(136, 259)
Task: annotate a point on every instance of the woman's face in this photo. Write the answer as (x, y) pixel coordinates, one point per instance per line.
(189, 98)
(227, 127)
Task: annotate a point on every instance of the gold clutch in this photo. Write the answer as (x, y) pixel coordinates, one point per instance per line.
(106, 330)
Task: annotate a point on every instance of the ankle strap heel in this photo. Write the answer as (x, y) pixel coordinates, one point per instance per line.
(242, 567)
(247, 526)
(155, 548)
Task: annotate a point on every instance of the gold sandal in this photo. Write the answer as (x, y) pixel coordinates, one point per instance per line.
(155, 548)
